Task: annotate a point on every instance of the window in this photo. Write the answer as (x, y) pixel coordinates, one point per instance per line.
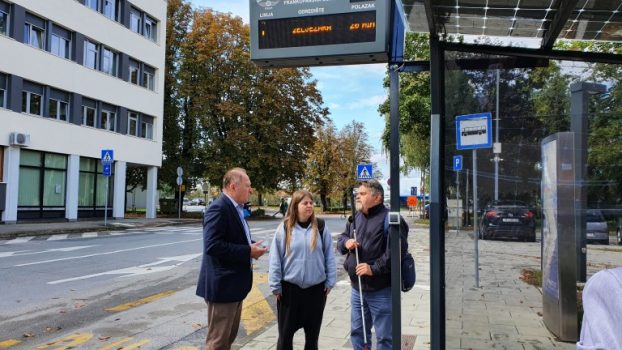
(108, 120)
(135, 21)
(132, 124)
(93, 4)
(150, 29)
(34, 36)
(146, 130)
(4, 23)
(148, 75)
(90, 54)
(110, 9)
(60, 46)
(42, 180)
(92, 187)
(134, 72)
(31, 103)
(58, 109)
(109, 61)
(88, 116)
(2, 90)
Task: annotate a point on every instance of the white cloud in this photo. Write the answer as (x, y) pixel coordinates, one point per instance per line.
(366, 102)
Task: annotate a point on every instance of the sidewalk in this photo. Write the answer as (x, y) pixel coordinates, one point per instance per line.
(504, 313)
(335, 333)
(10, 231)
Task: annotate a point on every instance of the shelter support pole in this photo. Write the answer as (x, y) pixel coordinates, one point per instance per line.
(394, 241)
(437, 195)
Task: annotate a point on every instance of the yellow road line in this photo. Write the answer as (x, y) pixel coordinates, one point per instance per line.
(256, 311)
(143, 301)
(5, 344)
(115, 345)
(68, 342)
(135, 345)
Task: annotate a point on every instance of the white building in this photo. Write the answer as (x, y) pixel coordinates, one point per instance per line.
(77, 77)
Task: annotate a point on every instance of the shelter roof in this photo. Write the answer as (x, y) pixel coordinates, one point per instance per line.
(542, 22)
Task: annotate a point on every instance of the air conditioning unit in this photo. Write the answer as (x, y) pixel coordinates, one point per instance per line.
(19, 139)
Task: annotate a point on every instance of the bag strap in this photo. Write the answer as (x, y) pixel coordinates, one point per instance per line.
(321, 224)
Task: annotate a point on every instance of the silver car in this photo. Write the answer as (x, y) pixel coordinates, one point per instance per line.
(597, 230)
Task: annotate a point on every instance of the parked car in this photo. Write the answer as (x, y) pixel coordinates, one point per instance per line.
(508, 219)
(597, 230)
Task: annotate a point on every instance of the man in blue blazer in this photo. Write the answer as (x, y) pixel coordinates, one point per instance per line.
(226, 271)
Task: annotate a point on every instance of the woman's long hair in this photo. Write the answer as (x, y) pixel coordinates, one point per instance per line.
(292, 218)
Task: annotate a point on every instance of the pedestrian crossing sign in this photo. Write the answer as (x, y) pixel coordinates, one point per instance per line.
(107, 156)
(364, 172)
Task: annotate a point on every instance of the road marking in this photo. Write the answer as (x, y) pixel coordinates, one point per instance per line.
(90, 234)
(7, 254)
(116, 345)
(126, 347)
(105, 253)
(25, 252)
(58, 237)
(256, 311)
(5, 344)
(68, 342)
(20, 240)
(139, 302)
(136, 270)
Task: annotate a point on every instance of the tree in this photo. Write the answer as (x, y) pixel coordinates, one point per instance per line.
(239, 115)
(353, 149)
(178, 20)
(322, 172)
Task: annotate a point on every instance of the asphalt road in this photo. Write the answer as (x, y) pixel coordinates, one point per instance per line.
(81, 291)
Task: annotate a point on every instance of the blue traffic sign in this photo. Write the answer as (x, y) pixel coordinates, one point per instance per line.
(107, 156)
(107, 169)
(474, 131)
(457, 163)
(364, 172)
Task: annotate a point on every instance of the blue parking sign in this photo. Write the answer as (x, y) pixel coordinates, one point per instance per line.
(457, 163)
(107, 169)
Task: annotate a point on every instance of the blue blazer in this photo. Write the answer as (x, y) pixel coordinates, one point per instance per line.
(226, 274)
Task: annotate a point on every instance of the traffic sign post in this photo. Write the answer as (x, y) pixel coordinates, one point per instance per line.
(107, 157)
(474, 131)
(180, 181)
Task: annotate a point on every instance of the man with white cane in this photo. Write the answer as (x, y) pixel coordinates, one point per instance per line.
(365, 241)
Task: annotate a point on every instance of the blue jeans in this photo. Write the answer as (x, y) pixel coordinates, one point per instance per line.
(377, 306)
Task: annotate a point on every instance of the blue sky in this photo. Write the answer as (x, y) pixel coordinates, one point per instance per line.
(350, 93)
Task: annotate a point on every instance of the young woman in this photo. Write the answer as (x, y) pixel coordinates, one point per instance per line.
(302, 272)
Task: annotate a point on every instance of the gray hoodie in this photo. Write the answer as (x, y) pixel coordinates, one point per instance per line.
(302, 267)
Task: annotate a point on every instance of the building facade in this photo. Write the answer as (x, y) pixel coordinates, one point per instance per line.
(77, 77)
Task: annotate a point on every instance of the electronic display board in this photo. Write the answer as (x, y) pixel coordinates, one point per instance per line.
(319, 32)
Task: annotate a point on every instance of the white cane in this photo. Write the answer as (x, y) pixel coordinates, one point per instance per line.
(356, 252)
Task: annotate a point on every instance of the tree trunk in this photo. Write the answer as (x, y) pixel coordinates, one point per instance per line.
(323, 199)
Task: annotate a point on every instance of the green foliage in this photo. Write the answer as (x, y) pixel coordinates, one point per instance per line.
(224, 111)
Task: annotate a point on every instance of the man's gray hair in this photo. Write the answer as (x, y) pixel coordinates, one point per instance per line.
(233, 175)
(374, 187)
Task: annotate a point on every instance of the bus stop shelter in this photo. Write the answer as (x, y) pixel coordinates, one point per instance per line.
(511, 34)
